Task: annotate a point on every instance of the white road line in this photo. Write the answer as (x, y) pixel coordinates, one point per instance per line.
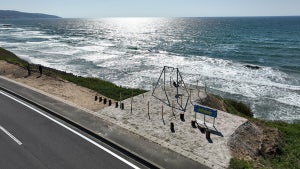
(10, 135)
(73, 131)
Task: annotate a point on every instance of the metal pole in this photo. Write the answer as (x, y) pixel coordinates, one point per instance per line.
(148, 111)
(120, 99)
(173, 107)
(177, 82)
(131, 106)
(205, 87)
(181, 100)
(191, 96)
(214, 122)
(184, 108)
(162, 111)
(198, 88)
(164, 78)
(131, 100)
(158, 80)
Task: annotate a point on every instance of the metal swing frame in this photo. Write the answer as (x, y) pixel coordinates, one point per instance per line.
(178, 83)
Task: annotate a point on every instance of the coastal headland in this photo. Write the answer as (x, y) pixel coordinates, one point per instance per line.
(10, 14)
(237, 141)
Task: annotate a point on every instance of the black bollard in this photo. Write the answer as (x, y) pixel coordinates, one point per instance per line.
(122, 106)
(117, 105)
(109, 102)
(182, 117)
(100, 99)
(193, 122)
(208, 134)
(172, 127)
(104, 101)
(28, 70)
(96, 98)
(40, 70)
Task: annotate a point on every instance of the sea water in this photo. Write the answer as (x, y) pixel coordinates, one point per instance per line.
(214, 51)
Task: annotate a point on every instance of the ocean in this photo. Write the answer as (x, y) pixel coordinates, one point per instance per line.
(255, 60)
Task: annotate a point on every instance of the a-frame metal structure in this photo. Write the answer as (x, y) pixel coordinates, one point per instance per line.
(176, 88)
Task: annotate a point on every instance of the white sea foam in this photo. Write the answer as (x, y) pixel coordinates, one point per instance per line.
(61, 50)
(93, 48)
(34, 60)
(289, 98)
(25, 57)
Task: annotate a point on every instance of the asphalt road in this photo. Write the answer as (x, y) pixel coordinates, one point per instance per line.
(29, 138)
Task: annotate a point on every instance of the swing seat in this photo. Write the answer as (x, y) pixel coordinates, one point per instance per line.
(177, 96)
(175, 84)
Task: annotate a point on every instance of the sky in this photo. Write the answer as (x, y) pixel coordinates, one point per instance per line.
(155, 8)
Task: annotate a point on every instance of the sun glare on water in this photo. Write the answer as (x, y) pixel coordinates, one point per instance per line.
(134, 24)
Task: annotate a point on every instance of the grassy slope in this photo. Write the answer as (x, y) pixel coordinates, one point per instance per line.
(11, 58)
(106, 88)
(291, 149)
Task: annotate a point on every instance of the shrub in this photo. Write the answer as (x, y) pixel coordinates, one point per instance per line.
(238, 108)
(240, 164)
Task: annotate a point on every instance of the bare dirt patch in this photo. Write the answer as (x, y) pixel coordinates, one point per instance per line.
(58, 87)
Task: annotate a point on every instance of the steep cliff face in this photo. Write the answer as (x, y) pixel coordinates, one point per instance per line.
(9, 14)
(251, 140)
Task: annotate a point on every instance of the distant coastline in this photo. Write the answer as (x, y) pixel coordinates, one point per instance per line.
(10, 14)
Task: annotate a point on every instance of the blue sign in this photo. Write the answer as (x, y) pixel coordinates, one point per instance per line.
(205, 111)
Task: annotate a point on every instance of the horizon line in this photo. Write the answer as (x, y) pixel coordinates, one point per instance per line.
(181, 16)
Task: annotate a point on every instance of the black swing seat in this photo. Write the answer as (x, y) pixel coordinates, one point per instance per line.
(175, 84)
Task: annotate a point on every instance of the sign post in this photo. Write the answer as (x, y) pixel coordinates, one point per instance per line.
(205, 111)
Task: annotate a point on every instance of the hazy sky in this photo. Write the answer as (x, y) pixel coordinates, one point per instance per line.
(164, 8)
